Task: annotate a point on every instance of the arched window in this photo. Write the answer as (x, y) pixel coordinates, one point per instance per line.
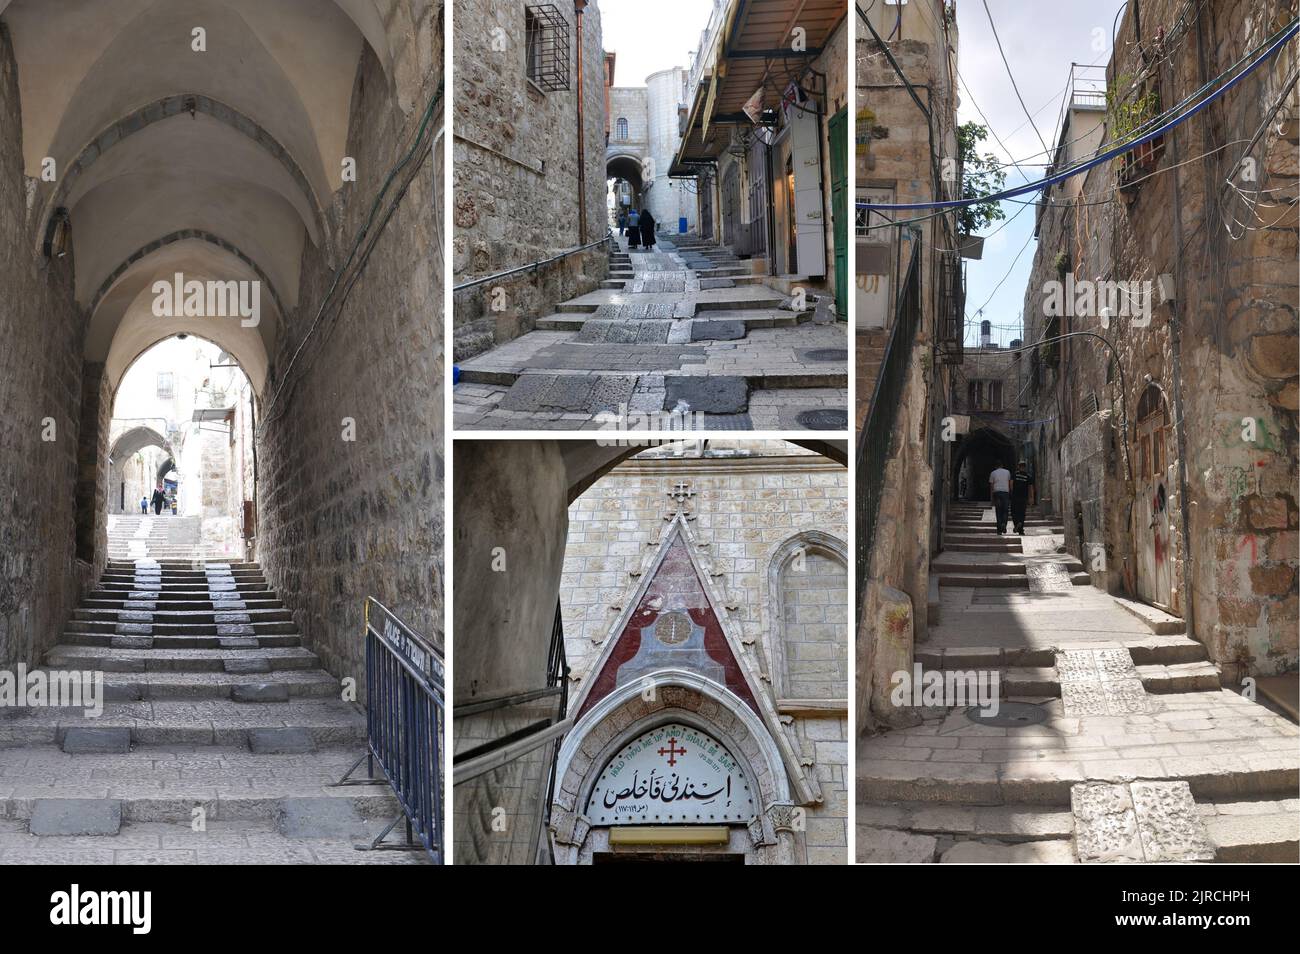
(621, 132)
(808, 584)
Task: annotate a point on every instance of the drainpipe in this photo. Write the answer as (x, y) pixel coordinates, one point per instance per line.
(578, 7)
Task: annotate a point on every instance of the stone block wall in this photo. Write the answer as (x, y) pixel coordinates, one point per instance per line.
(746, 509)
(350, 454)
(515, 149)
(41, 396)
(1221, 354)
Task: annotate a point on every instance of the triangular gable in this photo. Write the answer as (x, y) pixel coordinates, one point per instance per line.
(673, 623)
(676, 583)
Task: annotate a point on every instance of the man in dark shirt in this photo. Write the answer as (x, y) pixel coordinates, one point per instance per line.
(159, 499)
(1022, 492)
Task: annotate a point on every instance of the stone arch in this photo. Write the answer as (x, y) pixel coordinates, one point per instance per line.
(71, 184)
(810, 542)
(122, 448)
(985, 446)
(695, 701)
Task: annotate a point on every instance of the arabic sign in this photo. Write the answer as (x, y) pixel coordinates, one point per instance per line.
(671, 775)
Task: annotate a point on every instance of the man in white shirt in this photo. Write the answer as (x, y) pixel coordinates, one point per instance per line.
(1000, 485)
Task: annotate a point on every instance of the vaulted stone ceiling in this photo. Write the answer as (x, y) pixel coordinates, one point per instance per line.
(218, 164)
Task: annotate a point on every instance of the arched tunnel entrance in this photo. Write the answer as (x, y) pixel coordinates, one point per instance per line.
(624, 174)
(977, 455)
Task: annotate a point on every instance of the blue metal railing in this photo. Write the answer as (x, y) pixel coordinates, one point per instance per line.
(405, 711)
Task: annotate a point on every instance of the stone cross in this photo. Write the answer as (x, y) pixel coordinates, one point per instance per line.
(681, 495)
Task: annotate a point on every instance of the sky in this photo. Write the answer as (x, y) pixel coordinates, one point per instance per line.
(651, 35)
(1040, 48)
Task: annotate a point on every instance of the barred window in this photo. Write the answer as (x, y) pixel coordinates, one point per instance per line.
(546, 46)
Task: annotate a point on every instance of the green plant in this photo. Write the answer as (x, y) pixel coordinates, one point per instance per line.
(981, 175)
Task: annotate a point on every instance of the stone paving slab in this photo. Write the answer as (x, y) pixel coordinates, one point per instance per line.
(1220, 743)
(1141, 821)
(76, 816)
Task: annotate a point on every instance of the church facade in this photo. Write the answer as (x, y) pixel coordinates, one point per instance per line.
(704, 600)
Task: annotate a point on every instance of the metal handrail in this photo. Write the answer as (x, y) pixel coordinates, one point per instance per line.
(533, 266)
(878, 430)
(405, 711)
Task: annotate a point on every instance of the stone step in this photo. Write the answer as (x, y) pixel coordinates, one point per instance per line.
(1157, 620)
(239, 842)
(313, 722)
(1000, 580)
(1007, 823)
(1162, 652)
(178, 575)
(190, 590)
(255, 640)
(295, 683)
(165, 782)
(1259, 831)
(1049, 783)
(215, 562)
(170, 614)
(262, 599)
(991, 565)
(993, 546)
(560, 322)
(177, 660)
(130, 628)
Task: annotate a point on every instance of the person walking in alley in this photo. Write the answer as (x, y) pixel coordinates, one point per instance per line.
(1022, 492)
(1000, 485)
(159, 499)
(622, 221)
(647, 224)
(633, 231)
(144, 504)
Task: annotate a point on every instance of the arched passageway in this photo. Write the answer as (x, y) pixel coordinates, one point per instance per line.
(625, 173)
(182, 167)
(976, 456)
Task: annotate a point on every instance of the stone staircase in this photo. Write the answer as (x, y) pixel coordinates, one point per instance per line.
(685, 329)
(974, 555)
(219, 741)
(1117, 742)
(161, 537)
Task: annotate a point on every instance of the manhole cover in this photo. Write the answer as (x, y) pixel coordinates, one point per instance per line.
(1010, 715)
(827, 354)
(823, 419)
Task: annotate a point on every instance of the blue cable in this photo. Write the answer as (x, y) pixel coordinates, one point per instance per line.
(1103, 157)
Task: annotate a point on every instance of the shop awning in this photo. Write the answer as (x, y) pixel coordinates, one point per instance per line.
(753, 52)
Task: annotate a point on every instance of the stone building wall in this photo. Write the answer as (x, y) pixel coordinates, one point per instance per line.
(514, 175)
(893, 154)
(40, 379)
(629, 102)
(745, 509)
(669, 199)
(350, 506)
(1222, 353)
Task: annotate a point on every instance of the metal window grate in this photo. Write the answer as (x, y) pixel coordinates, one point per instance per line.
(547, 46)
(951, 317)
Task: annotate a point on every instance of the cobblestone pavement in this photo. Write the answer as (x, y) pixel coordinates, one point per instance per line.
(1141, 755)
(220, 740)
(681, 338)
